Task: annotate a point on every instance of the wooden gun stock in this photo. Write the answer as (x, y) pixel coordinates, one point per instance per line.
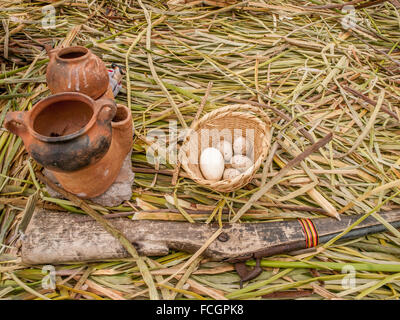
(60, 237)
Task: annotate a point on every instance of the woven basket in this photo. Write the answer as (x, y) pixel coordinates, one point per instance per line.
(227, 120)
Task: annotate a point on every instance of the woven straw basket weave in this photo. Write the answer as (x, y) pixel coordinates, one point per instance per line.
(230, 121)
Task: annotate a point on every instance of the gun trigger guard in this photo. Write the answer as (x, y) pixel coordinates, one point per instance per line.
(245, 274)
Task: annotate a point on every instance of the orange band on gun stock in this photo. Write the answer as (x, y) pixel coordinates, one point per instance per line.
(310, 232)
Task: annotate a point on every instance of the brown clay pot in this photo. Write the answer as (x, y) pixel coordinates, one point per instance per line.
(108, 94)
(94, 180)
(65, 132)
(123, 129)
(76, 69)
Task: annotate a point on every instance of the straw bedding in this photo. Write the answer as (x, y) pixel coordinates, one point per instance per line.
(311, 74)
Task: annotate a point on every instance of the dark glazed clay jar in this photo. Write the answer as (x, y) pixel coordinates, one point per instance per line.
(94, 180)
(76, 69)
(65, 132)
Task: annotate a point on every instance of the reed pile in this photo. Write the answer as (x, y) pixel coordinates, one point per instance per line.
(298, 61)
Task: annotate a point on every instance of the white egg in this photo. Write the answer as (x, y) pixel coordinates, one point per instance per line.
(241, 145)
(226, 149)
(231, 173)
(212, 164)
(240, 162)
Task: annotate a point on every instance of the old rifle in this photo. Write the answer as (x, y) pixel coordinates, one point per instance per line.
(60, 237)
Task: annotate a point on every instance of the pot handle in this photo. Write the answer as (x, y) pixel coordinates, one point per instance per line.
(15, 122)
(107, 109)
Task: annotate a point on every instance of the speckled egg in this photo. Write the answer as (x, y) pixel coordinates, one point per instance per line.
(231, 173)
(241, 145)
(225, 148)
(240, 162)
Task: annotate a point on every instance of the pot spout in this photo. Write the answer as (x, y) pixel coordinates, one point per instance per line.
(51, 52)
(15, 123)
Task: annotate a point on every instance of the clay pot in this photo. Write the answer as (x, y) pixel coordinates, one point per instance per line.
(108, 94)
(76, 69)
(94, 180)
(65, 132)
(123, 129)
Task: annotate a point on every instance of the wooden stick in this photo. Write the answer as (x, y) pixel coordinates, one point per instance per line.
(370, 101)
(279, 113)
(281, 174)
(314, 193)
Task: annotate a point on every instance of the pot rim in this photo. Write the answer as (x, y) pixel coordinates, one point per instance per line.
(120, 123)
(66, 50)
(44, 103)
